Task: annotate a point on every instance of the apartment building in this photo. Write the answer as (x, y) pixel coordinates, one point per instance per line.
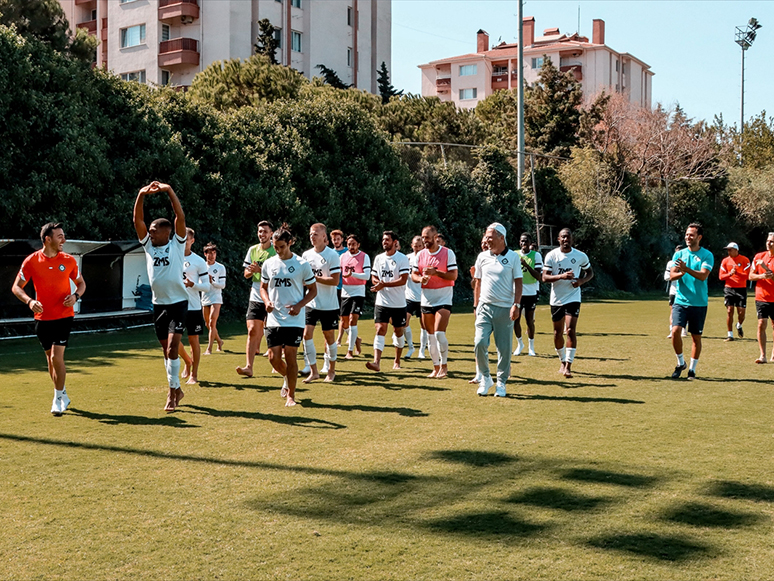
(470, 78)
(169, 41)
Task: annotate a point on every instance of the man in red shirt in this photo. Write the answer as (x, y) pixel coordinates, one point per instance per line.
(762, 272)
(51, 272)
(734, 271)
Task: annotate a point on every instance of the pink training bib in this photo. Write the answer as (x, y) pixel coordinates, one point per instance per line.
(440, 262)
(356, 262)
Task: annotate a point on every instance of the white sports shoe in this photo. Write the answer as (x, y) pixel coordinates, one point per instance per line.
(325, 367)
(57, 406)
(410, 352)
(484, 385)
(532, 352)
(284, 391)
(500, 390)
(65, 400)
(519, 349)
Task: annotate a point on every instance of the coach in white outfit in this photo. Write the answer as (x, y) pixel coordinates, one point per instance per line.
(497, 300)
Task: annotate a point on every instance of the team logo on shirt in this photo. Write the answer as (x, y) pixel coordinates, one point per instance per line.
(292, 269)
(505, 261)
(62, 267)
(186, 264)
(572, 260)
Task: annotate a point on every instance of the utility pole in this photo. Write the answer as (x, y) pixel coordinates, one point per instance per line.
(745, 38)
(520, 91)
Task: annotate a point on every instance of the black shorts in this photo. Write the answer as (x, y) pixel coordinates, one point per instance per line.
(56, 332)
(529, 303)
(389, 314)
(689, 318)
(351, 306)
(194, 323)
(672, 300)
(735, 297)
(764, 310)
(434, 310)
(338, 295)
(284, 336)
(329, 320)
(414, 308)
(256, 311)
(559, 312)
(170, 319)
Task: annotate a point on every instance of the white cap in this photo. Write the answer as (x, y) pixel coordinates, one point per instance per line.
(733, 245)
(497, 227)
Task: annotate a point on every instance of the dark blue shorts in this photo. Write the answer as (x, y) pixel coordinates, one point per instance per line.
(690, 318)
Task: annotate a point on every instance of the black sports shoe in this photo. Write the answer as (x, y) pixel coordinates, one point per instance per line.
(691, 375)
(740, 332)
(678, 370)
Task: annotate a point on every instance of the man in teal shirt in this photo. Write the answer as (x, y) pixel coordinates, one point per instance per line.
(692, 266)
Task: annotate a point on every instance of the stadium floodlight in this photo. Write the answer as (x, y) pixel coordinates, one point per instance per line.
(745, 36)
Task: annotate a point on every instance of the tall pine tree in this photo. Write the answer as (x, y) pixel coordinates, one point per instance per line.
(331, 78)
(267, 44)
(386, 90)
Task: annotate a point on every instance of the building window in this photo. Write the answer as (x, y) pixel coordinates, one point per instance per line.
(499, 70)
(127, 1)
(616, 66)
(93, 14)
(295, 41)
(537, 63)
(468, 94)
(349, 15)
(138, 76)
(164, 32)
(278, 37)
(133, 36)
(349, 57)
(468, 70)
(280, 1)
(295, 3)
(165, 78)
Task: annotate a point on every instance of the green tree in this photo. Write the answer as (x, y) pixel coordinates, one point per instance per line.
(267, 44)
(331, 78)
(386, 90)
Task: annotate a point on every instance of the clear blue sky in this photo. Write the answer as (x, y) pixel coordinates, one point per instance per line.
(688, 44)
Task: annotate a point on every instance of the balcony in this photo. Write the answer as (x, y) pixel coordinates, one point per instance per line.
(500, 79)
(89, 25)
(576, 70)
(179, 51)
(80, 2)
(186, 10)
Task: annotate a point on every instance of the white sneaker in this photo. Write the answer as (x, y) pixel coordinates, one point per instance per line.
(284, 391)
(500, 390)
(410, 352)
(532, 352)
(65, 400)
(421, 355)
(484, 385)
(57, 406)
(325, 367)
(519, 349)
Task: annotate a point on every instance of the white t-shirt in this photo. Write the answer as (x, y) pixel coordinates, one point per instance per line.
(325, 263)
(195, 270)
(165, 270)
(413, 289)
(357, 290)
(497, 273)
(218, 282)
(389, 269)
(557, 262)
(286, 280)
(671, 284)
(437, 297)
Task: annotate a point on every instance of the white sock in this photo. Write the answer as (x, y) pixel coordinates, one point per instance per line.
(352, 338)
(443, 345)
(379, 343)
(400, 342)
(424, 341)
(58, 392)
(694, 363)
(561, 353)
(521, 342)
(731, 334)
(680, 359)
(174, 373)
(409, 337)
(394, 339)
(531, 344)
(310, 353)
(326, 355)
(333, 352)
(739, 325)
(435, 354)
(570, 354)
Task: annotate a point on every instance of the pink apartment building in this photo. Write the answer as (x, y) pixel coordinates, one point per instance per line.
(470, 78)
(169, 41)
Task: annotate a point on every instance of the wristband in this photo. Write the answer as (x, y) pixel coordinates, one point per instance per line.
(77, 296)
(29, 301)
(517, 305)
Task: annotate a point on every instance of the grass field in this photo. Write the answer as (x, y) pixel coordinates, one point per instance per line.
(618, 473)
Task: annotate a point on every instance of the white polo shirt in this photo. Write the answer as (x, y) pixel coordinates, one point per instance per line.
(497, 273)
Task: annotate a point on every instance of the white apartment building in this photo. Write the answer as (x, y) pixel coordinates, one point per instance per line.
(169, 41)
(470, 78)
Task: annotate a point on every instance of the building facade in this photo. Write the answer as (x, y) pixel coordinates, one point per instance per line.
(169, 41)
(468, 79)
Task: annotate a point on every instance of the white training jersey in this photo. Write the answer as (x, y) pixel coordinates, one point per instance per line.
(214, 296)
(671, 284)
(286, 280)
(413, 289)
(165, 270)
(497, 273)
(358, 290)
(557, 262)
(438, 297)
(389, 269)
(325, 263)
(195, 270)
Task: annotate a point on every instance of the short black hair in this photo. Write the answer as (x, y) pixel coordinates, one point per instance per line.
(526, 235)
(391, 234)
(162, 223)
(267, 224)
(48, 229)
(284, 234)
(354, 237)
(698, 227)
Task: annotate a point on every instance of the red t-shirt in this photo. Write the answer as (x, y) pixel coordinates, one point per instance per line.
(51, 278)
(742, 272)
(764, 288)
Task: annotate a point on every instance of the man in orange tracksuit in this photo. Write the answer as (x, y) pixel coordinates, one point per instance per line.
(734, 271)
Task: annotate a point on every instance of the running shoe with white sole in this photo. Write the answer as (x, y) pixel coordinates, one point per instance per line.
(518, 350)
(57, 406)
(410, 352)
(484, 385)
(500, 390)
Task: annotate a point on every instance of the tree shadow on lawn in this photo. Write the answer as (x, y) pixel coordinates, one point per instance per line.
(240, 385)
(114, 420)
(371, 379)
(578, 399)
(563, 383)
(705, 515)
(654, 546)
(289, 420)
(741, 490)
(402, 411)
(609, 477)
(559, 498)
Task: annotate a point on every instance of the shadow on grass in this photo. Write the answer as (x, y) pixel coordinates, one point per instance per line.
(563, 383)
(742, 490)
(558, 498)
(486, 524)
(407, 412)
(114, 420)
(705, 515)
(659, 547)
(476, 458)
(370, 379)
(240, 385)
(578, 399)
(297, 421)
(608, 477)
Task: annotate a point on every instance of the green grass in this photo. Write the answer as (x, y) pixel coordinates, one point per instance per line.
(618, 473)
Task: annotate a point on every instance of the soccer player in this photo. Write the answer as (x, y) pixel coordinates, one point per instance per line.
(497, 302)
(763, 275)
(414, 304)
(337, 239)
(532, 267)
(691, 269)
(436, 270)
(287, 286)
(734, 271)
(213, 299)
(672, 289)
(356, 271)
(197, 280)
(165, 255)
(256, 310)
(324, 307)
(51, 271)
(389, 275)
(566, 268)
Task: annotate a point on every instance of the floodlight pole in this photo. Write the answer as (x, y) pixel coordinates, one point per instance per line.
(741, 116)
(745, 38)
(520, 92)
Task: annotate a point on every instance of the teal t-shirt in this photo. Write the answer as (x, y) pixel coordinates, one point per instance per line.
(692, 292)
